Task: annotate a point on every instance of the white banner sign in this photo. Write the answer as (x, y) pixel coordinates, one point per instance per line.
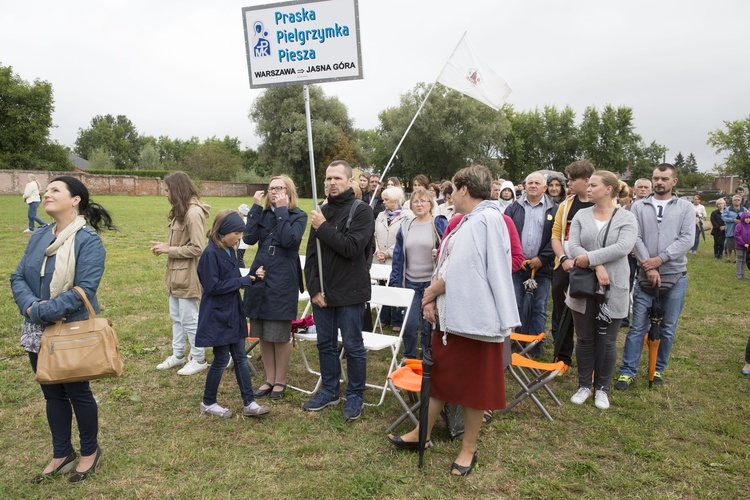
(295, 43)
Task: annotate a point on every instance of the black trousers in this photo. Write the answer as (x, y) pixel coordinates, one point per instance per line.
(62, 401)
(560, 282)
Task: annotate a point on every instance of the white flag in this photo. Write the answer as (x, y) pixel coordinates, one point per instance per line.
(471, 76)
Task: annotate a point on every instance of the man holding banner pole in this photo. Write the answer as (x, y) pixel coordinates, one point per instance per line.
(341, 231)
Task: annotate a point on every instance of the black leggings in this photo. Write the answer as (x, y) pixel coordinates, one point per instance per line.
(588, 348)
(62, 400)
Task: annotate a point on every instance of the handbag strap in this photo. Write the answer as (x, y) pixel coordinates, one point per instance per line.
(89, 307)
(609, 224)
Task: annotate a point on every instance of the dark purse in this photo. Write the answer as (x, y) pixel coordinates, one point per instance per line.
(583, 282)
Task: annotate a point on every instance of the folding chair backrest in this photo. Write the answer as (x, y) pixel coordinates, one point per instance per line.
(380, 272)
(392, 296)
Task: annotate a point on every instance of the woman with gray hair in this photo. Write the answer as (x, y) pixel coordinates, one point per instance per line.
(387, 225)
(472, 303)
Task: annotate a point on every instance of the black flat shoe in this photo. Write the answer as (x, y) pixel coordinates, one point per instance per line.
(464, 470)
(261, 393)
(64, 467)
(406, 445)
(77, 477)
(278, 394)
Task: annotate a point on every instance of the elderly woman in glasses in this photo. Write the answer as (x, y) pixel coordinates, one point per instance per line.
(277, 227)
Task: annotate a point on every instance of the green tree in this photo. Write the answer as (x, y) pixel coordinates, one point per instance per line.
(734, 142)
(100, 159)
(117, 135)
(25, 120)
(451, 132)
(279, 116)
(679, 161)
(212, 162)
(691, 165)
(608, 139)
(647, 159)
(148, 158)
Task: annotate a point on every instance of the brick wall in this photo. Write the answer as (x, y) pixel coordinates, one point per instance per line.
(14, 181)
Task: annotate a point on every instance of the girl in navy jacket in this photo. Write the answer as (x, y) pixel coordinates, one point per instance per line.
(221, 320)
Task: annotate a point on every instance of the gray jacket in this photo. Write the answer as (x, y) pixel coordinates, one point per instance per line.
(671, 239)
(480, 302)
(587, 239)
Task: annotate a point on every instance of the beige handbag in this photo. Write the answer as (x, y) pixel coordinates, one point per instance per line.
(78, 351)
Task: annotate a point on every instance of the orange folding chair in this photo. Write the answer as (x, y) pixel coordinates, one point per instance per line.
(541, 375)
(407, 378)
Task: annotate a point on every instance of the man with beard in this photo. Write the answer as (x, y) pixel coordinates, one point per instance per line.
(666, 228)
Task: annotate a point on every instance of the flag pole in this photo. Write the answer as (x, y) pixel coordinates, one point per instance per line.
(308, 119)
(388, 165)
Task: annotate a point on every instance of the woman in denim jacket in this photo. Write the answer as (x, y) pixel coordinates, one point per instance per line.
(65, 254)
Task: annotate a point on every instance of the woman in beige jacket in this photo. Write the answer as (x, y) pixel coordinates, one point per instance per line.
(187, 229)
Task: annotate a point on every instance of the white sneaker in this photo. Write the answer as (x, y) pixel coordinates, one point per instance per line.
(27, 230)
(192, 368)
(581, 396)
(171, 362)
(215, 410)
(601, 400)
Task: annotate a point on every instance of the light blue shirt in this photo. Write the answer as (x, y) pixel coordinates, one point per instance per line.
(533, 226)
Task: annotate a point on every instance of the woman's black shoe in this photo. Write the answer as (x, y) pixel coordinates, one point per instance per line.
(464, 470)
(278, 394)
(64, 467)
(406, 445)
(77, 477)
(261, 393)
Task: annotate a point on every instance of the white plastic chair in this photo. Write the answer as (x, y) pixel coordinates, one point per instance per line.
(385, 296)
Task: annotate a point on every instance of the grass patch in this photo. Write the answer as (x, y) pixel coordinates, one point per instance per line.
(690, 438)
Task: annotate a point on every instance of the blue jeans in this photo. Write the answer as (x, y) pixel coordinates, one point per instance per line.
(671, 304)
(416, 319)
(62, 400)
(33, 206)
(393, 316)
(697, 239)
(328, 321)
(241, 372)
(539, 308)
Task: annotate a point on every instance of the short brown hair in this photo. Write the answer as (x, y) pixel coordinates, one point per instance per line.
(478, 180)
(581, 169)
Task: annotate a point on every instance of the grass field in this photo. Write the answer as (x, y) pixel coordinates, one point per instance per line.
(688, 439)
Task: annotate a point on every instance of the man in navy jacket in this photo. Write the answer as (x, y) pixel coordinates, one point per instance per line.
(534, 214)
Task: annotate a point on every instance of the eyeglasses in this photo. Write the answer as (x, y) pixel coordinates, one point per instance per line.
(276, 188)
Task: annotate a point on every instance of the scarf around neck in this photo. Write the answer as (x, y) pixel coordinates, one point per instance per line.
(65, 262)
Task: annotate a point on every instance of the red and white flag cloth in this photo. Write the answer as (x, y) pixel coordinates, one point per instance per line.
(466, 73)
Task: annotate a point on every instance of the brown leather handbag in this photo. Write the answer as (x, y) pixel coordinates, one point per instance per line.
(80, 350)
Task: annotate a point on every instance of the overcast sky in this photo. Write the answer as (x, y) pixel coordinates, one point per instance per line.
(178, 68)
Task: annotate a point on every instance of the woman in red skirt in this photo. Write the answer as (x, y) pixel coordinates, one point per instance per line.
(472, 303)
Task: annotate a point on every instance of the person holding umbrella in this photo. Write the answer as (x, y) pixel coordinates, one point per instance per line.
(471, 302)
(601, 237)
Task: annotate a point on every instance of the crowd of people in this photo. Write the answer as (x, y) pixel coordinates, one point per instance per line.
(468, 247)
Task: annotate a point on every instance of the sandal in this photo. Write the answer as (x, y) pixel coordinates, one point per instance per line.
(278, 394)
(464, 470)
(488, 415)
(260, 393)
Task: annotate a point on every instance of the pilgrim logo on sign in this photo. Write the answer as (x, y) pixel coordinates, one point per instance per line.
(262, 47)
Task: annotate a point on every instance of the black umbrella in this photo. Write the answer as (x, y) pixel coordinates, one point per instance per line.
(563, 325)
(424, 401)
(527, 306)
(603, 319)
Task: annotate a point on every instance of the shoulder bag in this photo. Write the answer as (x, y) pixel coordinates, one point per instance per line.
(583, 282)
(79, 350)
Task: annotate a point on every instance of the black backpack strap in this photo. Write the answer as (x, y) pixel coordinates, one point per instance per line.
(351, 212)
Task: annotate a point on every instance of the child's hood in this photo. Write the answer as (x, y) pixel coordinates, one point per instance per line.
(745, 215)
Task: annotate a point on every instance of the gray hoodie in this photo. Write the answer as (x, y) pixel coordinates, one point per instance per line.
(671, 239)
(505, 203)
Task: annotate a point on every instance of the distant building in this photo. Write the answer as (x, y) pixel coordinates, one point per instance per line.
(80, 163)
